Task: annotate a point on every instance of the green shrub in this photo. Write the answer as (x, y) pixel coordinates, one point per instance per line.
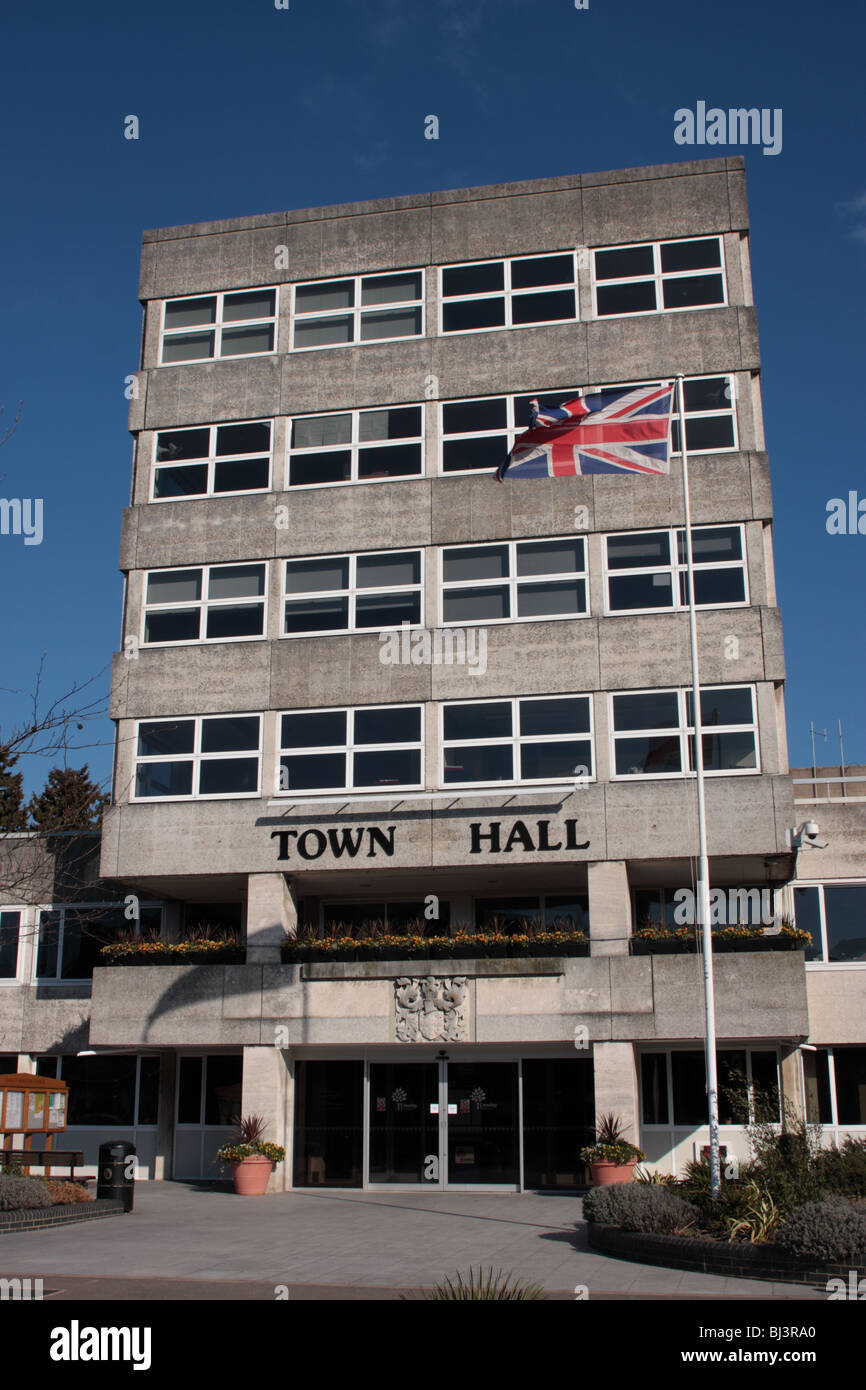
(843, 1171)
(832, 1231)
(491, 1285)
(757, 1216)
(639, 1207)
(716, 1213)
(23, 1194)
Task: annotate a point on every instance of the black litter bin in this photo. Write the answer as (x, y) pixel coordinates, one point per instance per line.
(116, 1179)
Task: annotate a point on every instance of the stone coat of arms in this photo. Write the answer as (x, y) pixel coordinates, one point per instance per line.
(430, 1008)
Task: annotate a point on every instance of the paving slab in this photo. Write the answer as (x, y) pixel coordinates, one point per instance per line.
(189, 1234)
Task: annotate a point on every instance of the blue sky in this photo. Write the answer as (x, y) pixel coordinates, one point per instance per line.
(244, 108)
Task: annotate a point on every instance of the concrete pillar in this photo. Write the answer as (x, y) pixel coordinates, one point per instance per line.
(791, 1087)
(266, 1093)
(27, 1066)
(272, 913)
(172, 919)
(163, 1164)
(615, 1075)
(609, 908)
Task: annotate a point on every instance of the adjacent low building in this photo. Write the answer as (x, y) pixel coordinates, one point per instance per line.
(366, 691)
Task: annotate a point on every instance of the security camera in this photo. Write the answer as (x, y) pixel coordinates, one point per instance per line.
(806, 835)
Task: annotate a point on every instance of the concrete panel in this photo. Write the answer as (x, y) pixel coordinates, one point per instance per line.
(220, 678)
(837, 1004)
(654, 208)
(649, 345)
(507, 226)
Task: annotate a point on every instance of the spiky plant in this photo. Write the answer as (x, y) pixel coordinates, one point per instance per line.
(490, 1284)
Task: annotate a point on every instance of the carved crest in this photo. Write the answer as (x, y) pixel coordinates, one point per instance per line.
(430, 1008)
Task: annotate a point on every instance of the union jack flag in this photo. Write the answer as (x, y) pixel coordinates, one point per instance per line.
(604, 432)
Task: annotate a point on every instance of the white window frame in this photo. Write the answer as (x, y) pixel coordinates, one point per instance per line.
(512, 430)
(354, 447)
(196, 757)
(658, 276)
(516, 741)
(507, 293)
(358, 309)
(834, 1126)
(211, 459)
(63, 909)
(204, 605)
(349, 748)
(728, 412)
(674, 569)
(512, 580)
(21, 910)
(352, 591)
(824, 963)
(140, 1057)
(219, 323)
(683, 731)
(724, 1046)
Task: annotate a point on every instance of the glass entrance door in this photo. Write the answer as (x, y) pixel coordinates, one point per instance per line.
(482, 1123)
(404, 1122)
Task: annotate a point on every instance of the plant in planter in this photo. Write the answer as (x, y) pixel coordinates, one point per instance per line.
(250, 1157)
(611, 1158)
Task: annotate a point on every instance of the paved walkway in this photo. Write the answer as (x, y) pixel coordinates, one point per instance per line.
(339, 1245)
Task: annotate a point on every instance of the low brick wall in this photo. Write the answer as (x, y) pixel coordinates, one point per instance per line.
(716, 1257)
(40, 1217)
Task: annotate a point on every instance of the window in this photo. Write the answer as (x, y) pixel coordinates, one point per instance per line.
(202, 757)
(359, 446)
(674, 1087)
(849, 1066)
(552, 912)
(211, 460)
(834, 914)
(514, 581)
(352, 749)
(363, 309)
(658, 277)
(219, 325)
(646, 570)
(105, 1091)
(352, 593)
(509, 293)
(213, 603)
(10, 924)
(650, 729)
(478, 434)
(395, 918)
(209, 1089)
(69, 939)
(531, 740)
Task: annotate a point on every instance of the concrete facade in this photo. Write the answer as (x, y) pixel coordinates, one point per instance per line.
(614, 845)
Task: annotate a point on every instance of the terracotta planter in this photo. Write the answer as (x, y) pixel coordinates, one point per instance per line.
(250, 1176)
(606, 1174)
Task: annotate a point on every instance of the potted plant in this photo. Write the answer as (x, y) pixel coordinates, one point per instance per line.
(611, 1158)
(251, 1158)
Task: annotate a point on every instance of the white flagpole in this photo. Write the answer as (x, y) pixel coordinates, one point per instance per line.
(703, 895)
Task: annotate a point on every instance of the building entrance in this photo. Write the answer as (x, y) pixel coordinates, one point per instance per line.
(444, 1123)
(514, 1123)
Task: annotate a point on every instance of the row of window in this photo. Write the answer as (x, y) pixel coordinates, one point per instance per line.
(673, 1087)
(521, 740)
(361, 446)
(515, 292)
(69, 938)
(124, 1089)
(508, 581)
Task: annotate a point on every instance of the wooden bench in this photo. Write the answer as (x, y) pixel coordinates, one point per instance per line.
(44, 1158)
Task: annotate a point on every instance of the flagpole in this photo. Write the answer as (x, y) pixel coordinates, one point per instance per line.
(703, 895)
